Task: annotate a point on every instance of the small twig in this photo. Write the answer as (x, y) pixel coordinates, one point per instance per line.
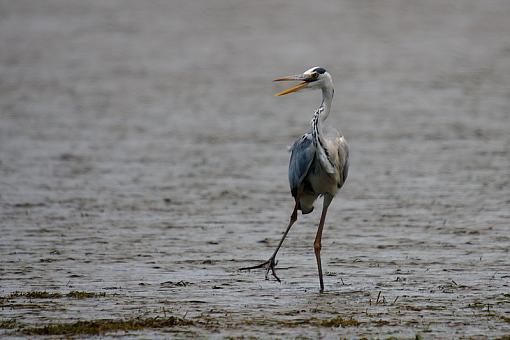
(455, 283)
(343, 284)
(394, 301)
(378, 296)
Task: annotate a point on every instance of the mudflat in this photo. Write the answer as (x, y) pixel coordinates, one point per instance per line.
(143, 160)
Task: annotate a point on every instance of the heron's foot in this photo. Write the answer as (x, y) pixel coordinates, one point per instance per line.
(269, 265)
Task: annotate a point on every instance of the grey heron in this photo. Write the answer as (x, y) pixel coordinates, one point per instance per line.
(319, 163)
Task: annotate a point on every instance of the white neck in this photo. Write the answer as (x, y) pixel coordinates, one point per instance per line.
(322, 112)
(327, 98)
(320, 115)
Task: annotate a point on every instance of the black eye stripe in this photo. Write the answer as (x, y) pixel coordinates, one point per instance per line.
(319, 70)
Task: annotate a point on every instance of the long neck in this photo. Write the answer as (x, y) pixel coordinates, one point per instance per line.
(322, 112)
(319, 116)
(327, 98)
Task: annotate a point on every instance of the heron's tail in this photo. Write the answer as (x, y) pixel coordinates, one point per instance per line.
(304, 212)
(306, 204)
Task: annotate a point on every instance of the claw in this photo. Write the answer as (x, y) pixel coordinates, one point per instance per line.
(269, 265)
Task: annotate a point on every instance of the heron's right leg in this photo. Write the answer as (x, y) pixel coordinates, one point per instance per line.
(271, 263)
(318, 239)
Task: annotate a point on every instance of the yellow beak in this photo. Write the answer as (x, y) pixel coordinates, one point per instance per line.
(294, 88)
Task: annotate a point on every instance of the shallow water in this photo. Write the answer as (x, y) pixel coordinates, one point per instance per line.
(142, 154)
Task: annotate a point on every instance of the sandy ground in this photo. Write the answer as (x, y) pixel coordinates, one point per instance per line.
(143, 155)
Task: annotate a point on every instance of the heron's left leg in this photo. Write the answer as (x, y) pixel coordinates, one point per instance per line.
(317, 243)
(271, 263)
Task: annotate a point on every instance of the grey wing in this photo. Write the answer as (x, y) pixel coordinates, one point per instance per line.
(301, 158)
(343, 155)
(338, 142)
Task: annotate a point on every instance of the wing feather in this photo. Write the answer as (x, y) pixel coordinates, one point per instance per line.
(343, 156)
(301, 158)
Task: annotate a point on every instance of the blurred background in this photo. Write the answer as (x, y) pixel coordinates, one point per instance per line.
(140, 142)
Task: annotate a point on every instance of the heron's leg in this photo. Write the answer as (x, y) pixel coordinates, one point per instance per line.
(270, 264)
(293, 218)
(318, 238)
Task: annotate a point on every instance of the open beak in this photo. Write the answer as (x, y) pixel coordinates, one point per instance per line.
(303, 83)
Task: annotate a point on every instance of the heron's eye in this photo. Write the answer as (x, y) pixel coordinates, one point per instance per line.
(314, 76)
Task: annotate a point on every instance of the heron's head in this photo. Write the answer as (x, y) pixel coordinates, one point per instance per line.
(316, 77)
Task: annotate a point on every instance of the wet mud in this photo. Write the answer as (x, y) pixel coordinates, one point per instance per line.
(143, 160)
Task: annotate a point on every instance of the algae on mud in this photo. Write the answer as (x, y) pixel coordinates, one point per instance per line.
(98, 327)
(53, 295)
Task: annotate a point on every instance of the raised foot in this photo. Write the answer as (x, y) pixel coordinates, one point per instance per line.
(269, 265)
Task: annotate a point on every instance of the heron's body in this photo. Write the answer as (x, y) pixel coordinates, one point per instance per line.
(320, 175)
(319, 162)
